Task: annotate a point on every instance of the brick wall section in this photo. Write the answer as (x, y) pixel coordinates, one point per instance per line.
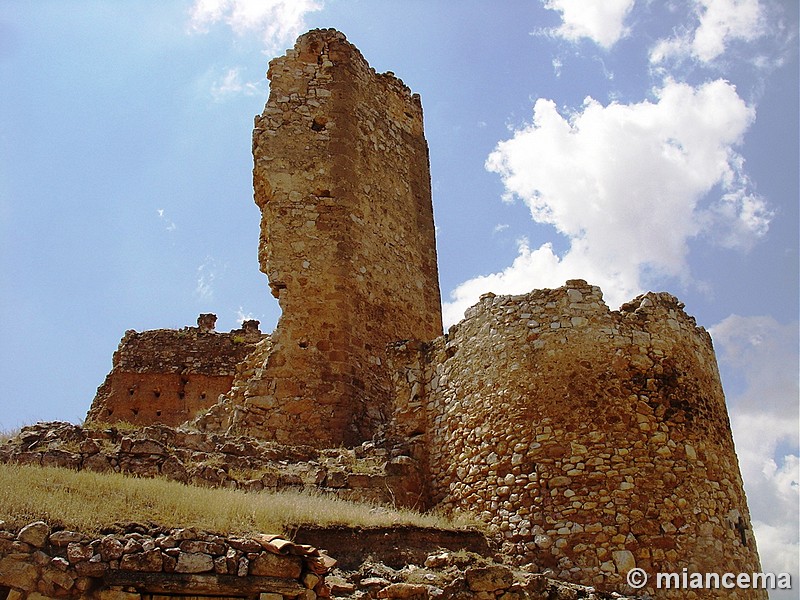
(347, 240)
(169, 376)
(593, 441)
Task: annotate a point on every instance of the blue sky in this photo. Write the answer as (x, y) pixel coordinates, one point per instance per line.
(638, 145)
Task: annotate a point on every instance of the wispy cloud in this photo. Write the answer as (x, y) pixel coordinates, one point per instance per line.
(761, 356)
(602, 22)
(169, 225)
(231, 84)
(500, 227)
(242, 316)
(629, 185)
(717, 24)
(206, 276)
(277, 22)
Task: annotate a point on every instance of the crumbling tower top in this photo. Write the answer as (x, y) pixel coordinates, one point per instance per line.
(342, 178)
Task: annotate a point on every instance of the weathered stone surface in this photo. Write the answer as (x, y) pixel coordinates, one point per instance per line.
(78, 552)
(590, 441)
(564, 426)
(18, 573)
(111, 548)
(91, 568)
(190, 562)
(59, 578)
(489, 579)
(149, 561)
(112, 594)
(167, 376)
(624, 561)
(342, 178)
(267, 564)
(64, 538)
(339, 586)
(404, 590)
(152, 561)
(35, 534)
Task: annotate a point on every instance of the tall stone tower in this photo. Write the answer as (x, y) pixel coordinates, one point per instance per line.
(347, 241)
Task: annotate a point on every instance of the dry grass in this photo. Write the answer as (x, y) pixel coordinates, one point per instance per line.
(7, 434)
(88, 502)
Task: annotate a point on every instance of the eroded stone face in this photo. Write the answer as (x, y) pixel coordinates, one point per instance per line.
(347, 241)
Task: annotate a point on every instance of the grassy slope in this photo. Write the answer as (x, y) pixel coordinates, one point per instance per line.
(87, 502)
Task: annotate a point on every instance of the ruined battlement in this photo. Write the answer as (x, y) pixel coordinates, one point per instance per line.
(169, 376)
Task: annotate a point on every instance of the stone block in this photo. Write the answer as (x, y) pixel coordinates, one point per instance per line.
(35, 534)
(489, 579)
(18, 573)
(267, 564)
(190, 562)
(404, 591)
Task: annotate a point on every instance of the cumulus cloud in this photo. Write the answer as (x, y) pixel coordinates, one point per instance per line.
(762, 357)
(629, 185)
(601, 22)
(718, 23)
(277, 21)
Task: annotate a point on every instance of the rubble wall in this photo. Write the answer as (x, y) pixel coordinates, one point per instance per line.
(347, 241)
(137, 563)
(170, 376)
(593, 441)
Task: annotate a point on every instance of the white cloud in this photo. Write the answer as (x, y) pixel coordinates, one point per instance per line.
(719, 22)
(206, 275)
(168, 223)
(500, 227)
(763, 354)
(231, 84)
(602, 22)
(557, 65)
(242, 316)
(277, 21)
(628, 185)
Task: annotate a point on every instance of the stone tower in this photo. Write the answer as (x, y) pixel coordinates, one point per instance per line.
(593, 441)
(347, 241)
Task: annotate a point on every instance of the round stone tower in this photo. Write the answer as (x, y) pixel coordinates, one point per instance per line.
(593, 441)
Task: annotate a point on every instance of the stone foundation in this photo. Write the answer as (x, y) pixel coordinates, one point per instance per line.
(38, 563)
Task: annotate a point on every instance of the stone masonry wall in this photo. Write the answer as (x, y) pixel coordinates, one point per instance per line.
(592, 441)
(169, 376)
(39, 562)
(366, 473)
(342, 179)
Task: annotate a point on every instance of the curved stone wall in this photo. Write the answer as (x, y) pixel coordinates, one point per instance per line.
(593, 441)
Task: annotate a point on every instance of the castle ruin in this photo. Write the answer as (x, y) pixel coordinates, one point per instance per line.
(591, 441)
(170, 377)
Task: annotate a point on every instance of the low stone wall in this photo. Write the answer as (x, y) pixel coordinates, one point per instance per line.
(367, 473)
(37, 563)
